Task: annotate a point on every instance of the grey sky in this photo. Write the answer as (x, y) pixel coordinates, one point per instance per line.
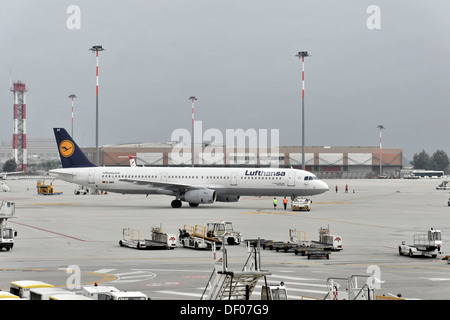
(238, 58)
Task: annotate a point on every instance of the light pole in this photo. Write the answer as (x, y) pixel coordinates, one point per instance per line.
(96, 49)
(381, 127)
(72, 96)
(192, 98)
(302, 55)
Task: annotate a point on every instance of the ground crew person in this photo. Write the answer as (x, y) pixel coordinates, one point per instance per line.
(274, 203)
(285, 203)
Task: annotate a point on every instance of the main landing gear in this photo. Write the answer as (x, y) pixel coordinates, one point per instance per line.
(177, 204)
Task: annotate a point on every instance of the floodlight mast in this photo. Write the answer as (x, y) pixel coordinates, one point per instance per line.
(96, 49)
(192, 98)
(381, 127)
(302, 55)
(72, 96)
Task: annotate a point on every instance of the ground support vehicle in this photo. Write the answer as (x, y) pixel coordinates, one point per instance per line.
(5, 295)
(271, 244)
(68, 296)
(224, 231)
(428, 244)
(228, 284)
(22, 288)
(97, 292)
(44, 293)
(126, 295)
(254, 242)
(321, 248)
(328, 240)
(46, 189)
(7, 234)
(274, 292)
(301, 204)
(81, 190)
(285, 246)
(312, 252)
(133, 239)
(196, 237)
(355, 287)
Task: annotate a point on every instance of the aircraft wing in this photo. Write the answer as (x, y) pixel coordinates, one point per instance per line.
(177, 187)
(62, 173)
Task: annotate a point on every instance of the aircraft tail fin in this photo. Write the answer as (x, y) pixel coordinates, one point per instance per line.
(69, 152)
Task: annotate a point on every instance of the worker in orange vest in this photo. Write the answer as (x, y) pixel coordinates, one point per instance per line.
(285, 203)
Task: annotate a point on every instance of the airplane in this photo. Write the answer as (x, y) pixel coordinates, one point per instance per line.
(4, 175)
(195, 185)
(4, 187)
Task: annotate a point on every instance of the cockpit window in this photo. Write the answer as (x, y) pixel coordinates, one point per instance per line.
(311, 178)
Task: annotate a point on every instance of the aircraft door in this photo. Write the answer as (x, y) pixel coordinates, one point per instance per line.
(291, 179)
(91, 176)
(233, 180)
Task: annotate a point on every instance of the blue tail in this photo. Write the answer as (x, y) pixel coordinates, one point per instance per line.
(69, 152)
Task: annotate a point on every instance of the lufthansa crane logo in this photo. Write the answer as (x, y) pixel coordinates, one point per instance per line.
(66, 148)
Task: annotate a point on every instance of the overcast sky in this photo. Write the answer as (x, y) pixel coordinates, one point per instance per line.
(238, 58)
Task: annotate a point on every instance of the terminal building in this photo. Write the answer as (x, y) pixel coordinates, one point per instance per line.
(326, 162)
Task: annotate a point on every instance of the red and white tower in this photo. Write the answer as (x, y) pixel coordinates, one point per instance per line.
(20, 128)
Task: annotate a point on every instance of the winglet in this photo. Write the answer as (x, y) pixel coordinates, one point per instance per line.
(69, 152)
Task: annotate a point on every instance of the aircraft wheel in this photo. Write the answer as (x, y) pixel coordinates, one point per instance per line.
(193, 204)
(176, 204)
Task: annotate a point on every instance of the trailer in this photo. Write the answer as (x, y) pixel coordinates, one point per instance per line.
(7, 234)
(271, 244)
(317, 253)
(224, 231)
(196, 237)
(299, 242)
(133, 238)
(254, 242)
(322, 248)
(428, 244)
(328, 240)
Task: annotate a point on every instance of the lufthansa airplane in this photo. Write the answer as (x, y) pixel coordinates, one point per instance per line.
(195, 185)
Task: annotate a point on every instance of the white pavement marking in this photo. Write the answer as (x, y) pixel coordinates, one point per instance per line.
(188, 294)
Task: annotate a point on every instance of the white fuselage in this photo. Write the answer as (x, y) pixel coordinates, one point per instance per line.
(171, 180)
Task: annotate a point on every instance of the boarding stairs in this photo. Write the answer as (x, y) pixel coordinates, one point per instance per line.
(336, 290)
(225, 284)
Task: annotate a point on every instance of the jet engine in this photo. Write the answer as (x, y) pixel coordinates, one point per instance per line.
(199, 196)
(225, 198)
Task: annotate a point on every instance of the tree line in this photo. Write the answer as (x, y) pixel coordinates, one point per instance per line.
(437, 161)
(11, 166)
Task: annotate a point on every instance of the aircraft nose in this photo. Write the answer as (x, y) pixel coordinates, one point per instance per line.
(323, 186)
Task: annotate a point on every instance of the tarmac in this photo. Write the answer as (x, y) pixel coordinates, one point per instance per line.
(82, 232)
